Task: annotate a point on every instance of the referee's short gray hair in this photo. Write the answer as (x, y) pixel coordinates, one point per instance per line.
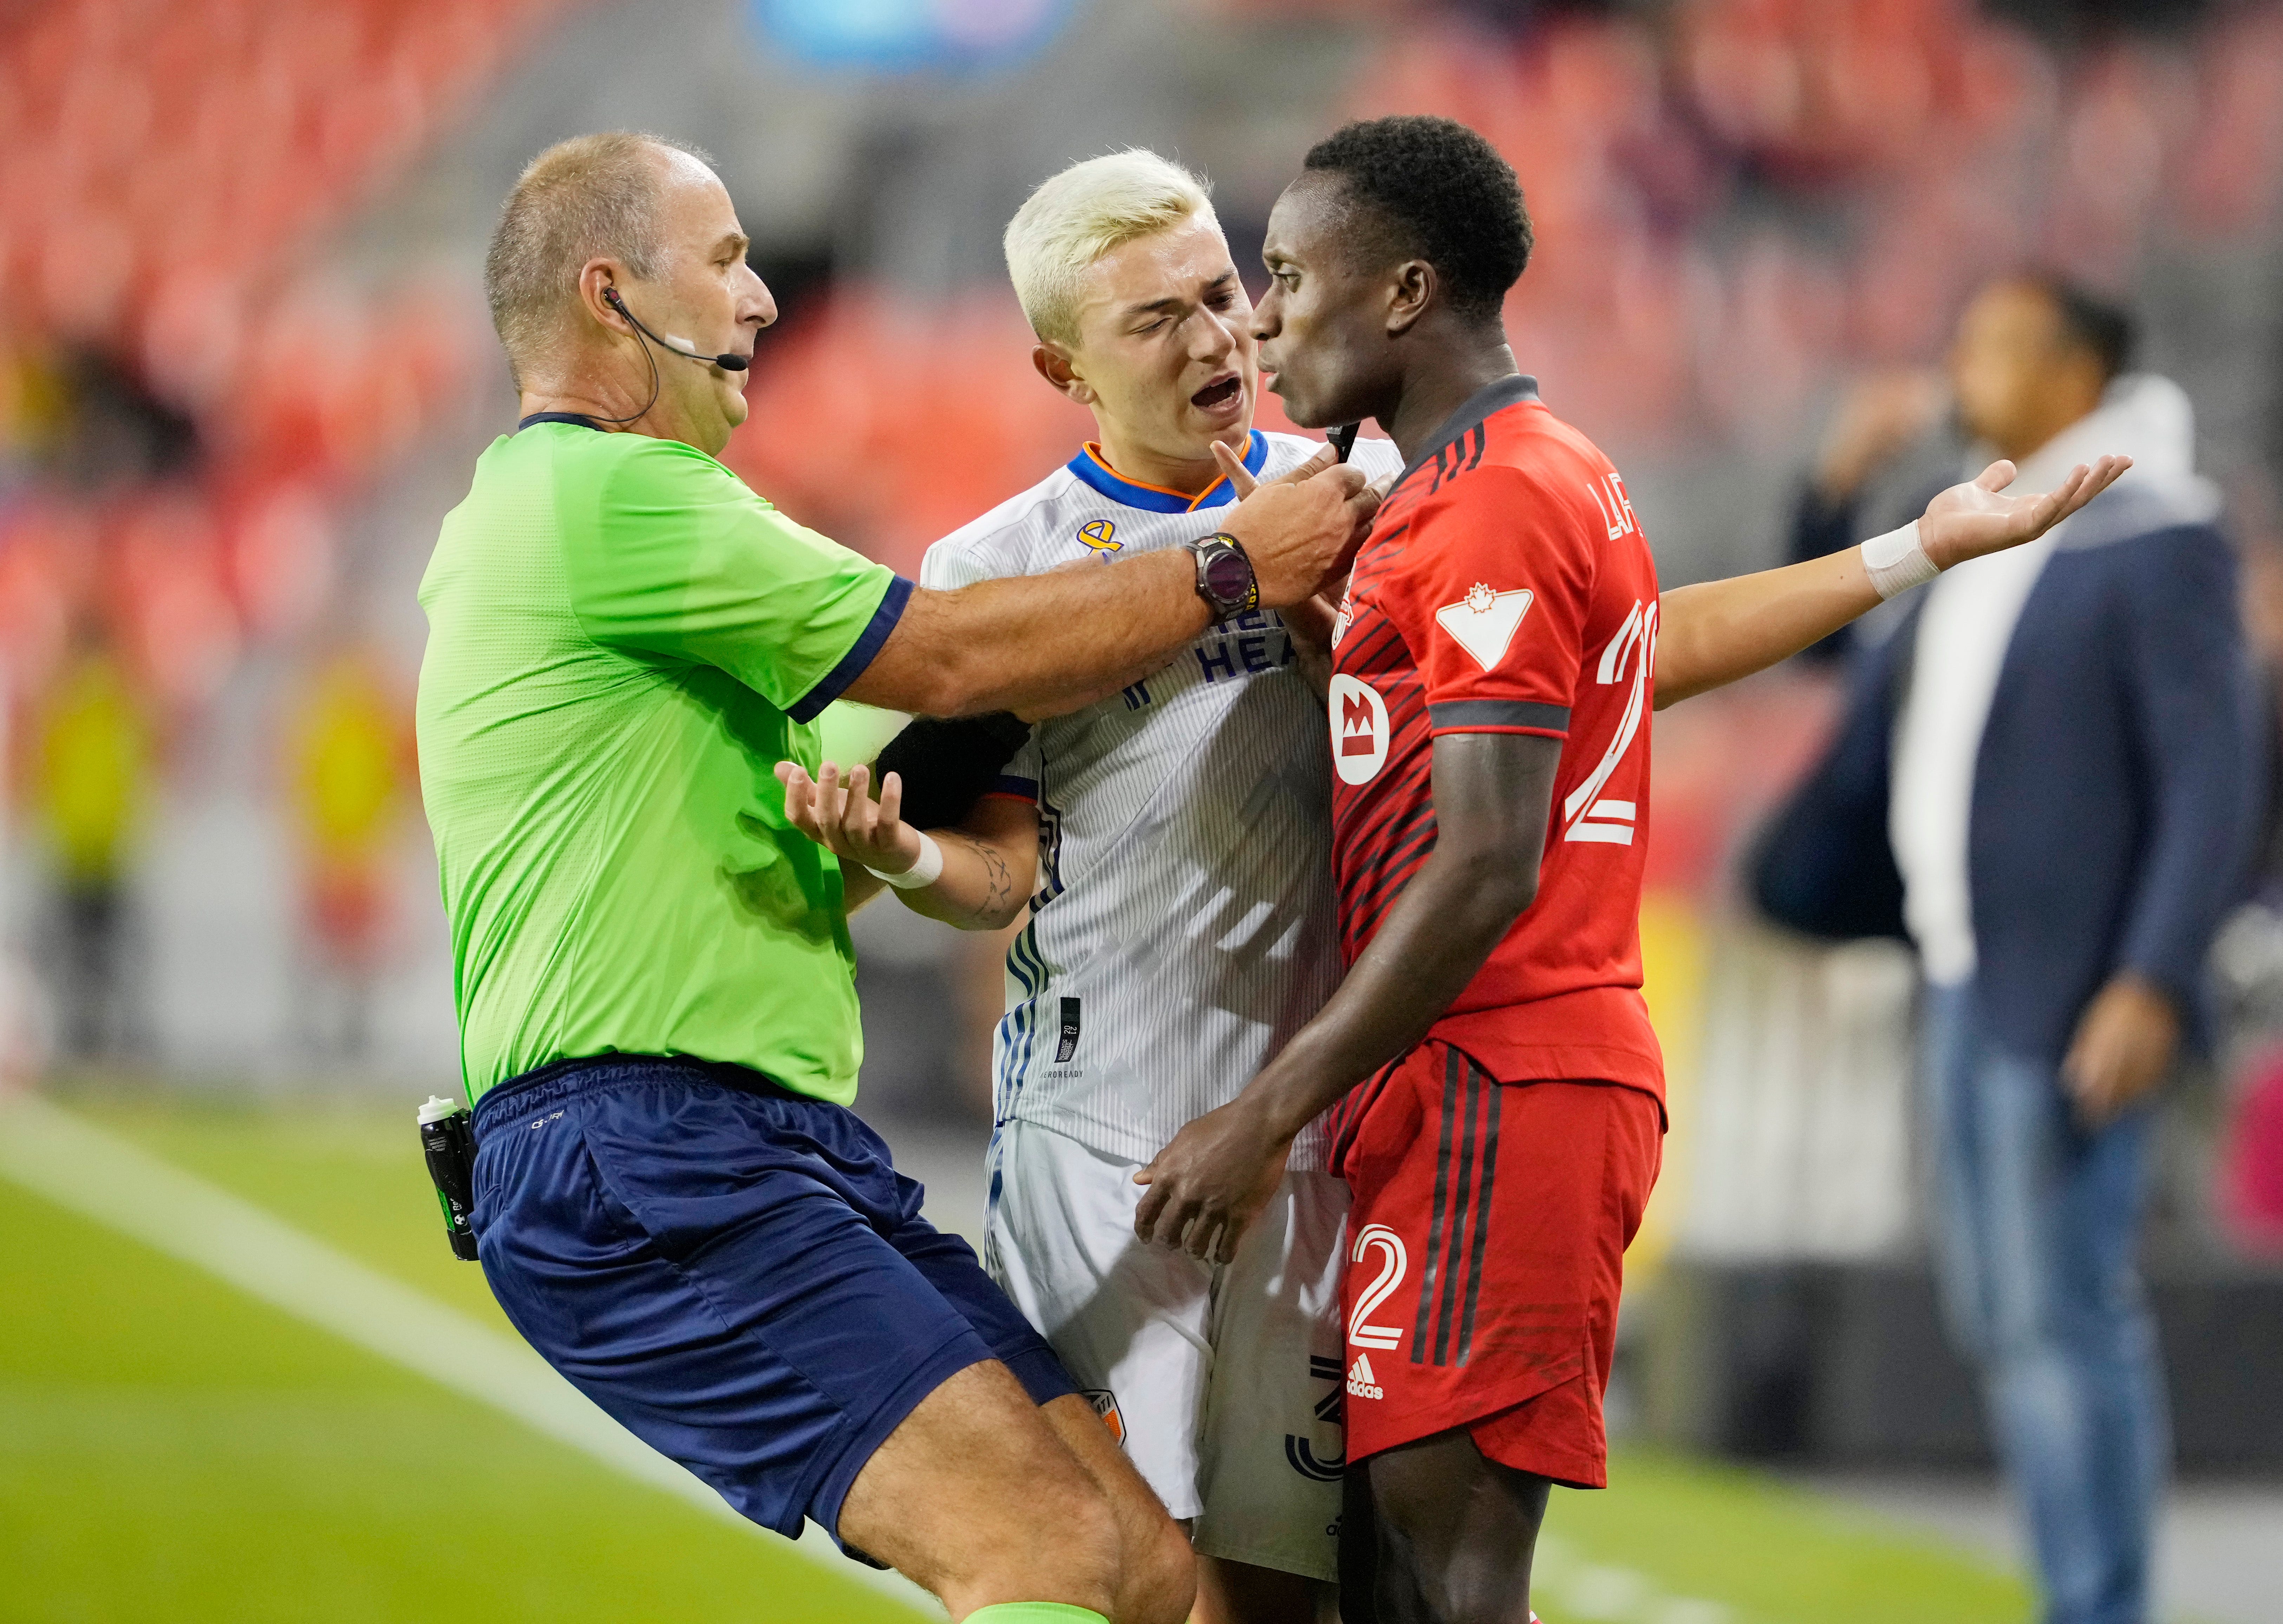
(592, 197)
(1087, 210)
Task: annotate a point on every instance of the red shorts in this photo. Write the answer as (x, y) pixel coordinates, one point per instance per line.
(1489, 1231)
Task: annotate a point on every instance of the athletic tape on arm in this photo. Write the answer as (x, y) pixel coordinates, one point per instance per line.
(1898, 561)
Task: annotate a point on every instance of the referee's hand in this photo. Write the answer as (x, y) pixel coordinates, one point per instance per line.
(1301, 528)
(847, 822)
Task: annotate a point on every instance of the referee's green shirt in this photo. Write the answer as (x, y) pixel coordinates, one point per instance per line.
(624, 641)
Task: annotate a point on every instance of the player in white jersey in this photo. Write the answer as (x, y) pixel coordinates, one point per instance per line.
(1174, 843)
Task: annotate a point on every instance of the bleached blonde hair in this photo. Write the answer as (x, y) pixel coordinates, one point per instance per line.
(1088, 210)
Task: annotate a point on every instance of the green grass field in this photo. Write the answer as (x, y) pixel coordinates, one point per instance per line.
(172, 1449)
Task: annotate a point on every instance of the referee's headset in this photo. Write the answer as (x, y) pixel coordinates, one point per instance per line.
(728, 362)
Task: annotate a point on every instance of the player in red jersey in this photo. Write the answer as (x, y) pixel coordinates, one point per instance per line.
(1494, 664)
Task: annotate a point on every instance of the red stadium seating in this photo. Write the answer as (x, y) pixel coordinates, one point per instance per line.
(162, 164)
(1733, 206)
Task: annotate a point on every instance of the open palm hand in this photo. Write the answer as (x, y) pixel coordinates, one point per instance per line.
(1981, 517)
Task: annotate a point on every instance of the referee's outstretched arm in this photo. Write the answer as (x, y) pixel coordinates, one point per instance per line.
(1035, 643)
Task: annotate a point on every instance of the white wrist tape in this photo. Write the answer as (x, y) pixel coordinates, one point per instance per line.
(1898, 561)
(923, 873)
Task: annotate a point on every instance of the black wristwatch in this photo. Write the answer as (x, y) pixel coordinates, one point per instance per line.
(1224, 577)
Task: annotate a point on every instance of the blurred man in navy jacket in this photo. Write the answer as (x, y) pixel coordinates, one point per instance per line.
(2049, 779)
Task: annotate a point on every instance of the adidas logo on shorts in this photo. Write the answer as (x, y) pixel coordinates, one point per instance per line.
(1361, 1383)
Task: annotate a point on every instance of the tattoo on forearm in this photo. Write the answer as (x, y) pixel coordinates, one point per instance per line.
(999, 894)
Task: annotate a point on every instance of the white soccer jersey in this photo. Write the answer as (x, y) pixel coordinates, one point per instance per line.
(1184, 925)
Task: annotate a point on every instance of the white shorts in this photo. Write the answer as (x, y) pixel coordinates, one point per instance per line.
(1223, 1383)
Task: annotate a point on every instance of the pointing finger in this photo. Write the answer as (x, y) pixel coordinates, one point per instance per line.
(892, 799)
(1233, 469)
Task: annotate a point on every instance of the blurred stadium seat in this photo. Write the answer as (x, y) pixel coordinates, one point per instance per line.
(164, 171)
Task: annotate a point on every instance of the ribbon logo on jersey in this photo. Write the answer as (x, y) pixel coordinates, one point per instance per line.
(1484, 622)
(1100, 534)
(1359, 718)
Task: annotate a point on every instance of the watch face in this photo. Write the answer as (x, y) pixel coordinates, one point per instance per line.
(1227, 576)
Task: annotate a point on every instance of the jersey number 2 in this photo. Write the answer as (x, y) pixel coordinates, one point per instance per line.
(1586, 814)
(1393, 1262)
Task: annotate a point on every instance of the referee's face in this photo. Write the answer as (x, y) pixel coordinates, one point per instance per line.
(706, 298)
(1322, 325)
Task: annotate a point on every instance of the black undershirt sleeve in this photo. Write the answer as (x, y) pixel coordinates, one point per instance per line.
(948, 766)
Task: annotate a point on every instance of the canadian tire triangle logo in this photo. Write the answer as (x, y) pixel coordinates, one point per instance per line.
(1484, 622)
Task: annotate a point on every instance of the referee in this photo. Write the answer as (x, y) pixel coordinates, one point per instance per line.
(658, 1016)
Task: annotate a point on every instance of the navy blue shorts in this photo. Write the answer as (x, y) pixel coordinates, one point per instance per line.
(735, 1273)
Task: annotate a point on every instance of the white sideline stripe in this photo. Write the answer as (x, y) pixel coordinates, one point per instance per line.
(80, 1166)
(1561, 1575)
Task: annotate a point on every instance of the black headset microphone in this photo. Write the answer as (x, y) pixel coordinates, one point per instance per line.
(726, 361)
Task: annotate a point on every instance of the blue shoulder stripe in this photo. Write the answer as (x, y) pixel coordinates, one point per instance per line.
(1088, 466)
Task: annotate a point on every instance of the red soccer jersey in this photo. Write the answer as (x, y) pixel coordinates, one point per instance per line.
(1507, 588)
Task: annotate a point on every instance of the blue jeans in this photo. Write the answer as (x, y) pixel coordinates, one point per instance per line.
(2036, 1224)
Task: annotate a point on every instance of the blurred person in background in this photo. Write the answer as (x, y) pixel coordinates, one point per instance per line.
(92, 780)
(2050, 779)
(349, 765)
(19, 1025)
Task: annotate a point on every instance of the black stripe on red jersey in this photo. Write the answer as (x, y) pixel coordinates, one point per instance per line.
(1457, 715)
(1481, 1215)
(1462, 455)
(1458, 1234)
(1364, 915)
(1392, 815)
(1441, 1193)
(1484, 403)
(1355, 1106)
(1374, 639)
(1447, 1300)
(1402, 798)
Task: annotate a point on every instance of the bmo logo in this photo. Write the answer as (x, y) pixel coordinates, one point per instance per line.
(1359, 718)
